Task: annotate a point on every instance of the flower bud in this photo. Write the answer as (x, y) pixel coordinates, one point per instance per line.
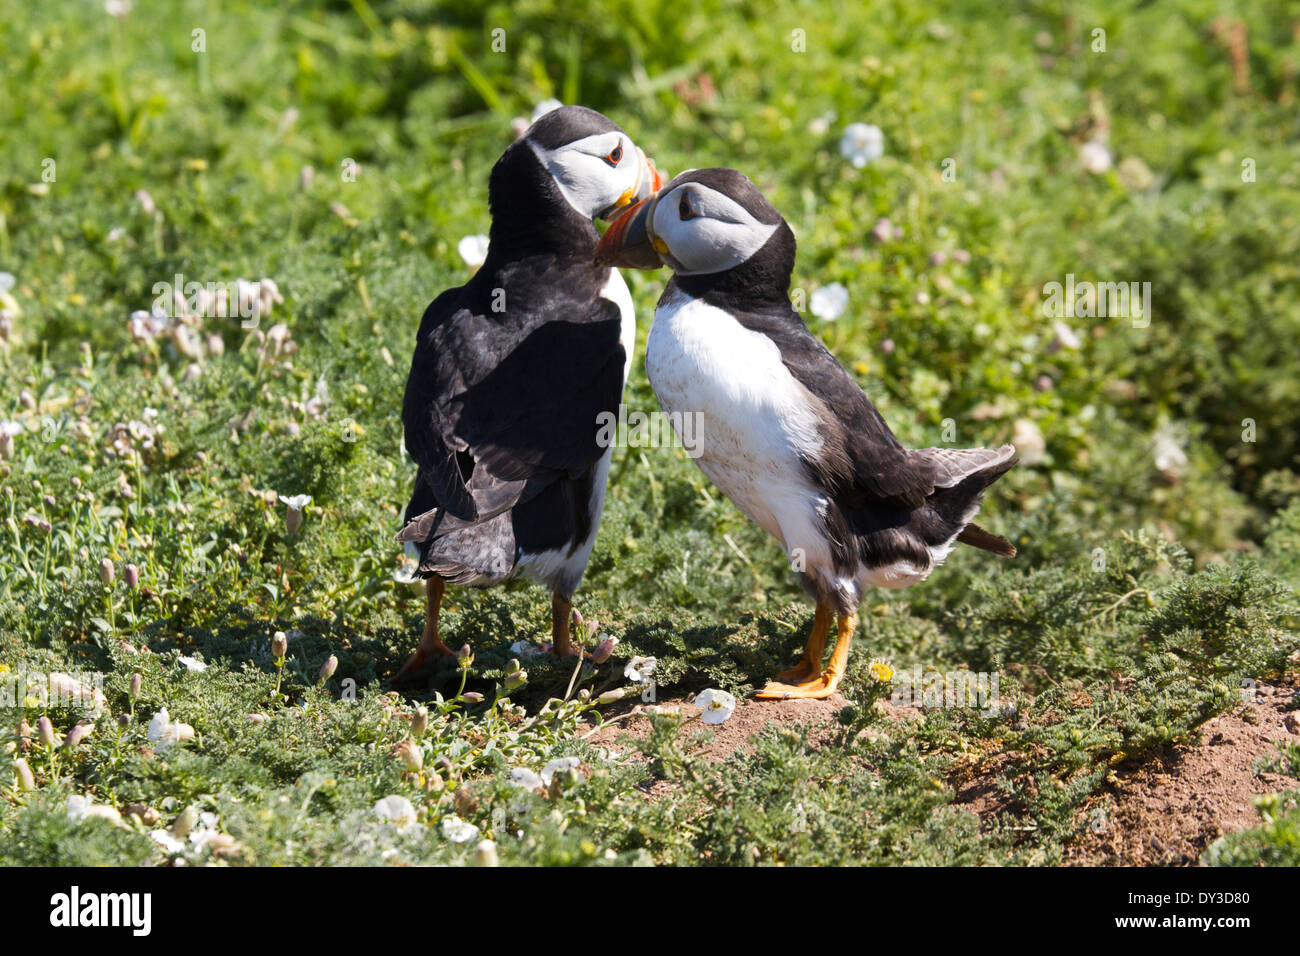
(77, 734)
(465, 657)
(106, 571)
(420, 722)
(131, 574)
(611, 696)
(516, 680)
(26, 782)
(485, 854)
(24, 736)
(185, 822)
(279, 645)
(604, 650)
(409, 752)
(328, 668)
(472, 697)
(292, 520)
(133, 689)
(45, 731)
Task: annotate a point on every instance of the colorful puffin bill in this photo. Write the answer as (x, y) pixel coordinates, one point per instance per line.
(786, 433)
(512, 371)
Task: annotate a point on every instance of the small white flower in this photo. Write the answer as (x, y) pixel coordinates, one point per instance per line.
(639, 668)
(1095, 157)
(117, 8)
(158, 726)
(296, 502)
(829, 301)
(11, 428)
(821, 125)
(525, 778)
(1167, 448)
(116, 234)
(457, 830)
(6, 281)
(1029, 441)
(395, 809)
(1063, 337)
(558, 765)
(77, 806)
(168, 842)
(474, 250)
(83, 808)
(525, 649)
(147, 326)
(192, 664)
(862, 143)
(165, 734)
(717, 704)
(544, 107)
(268, 294)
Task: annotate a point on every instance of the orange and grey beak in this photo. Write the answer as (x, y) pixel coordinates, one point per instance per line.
(648, 182)
(629, 242)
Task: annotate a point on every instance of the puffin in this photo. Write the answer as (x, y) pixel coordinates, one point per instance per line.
(512, 372)
(783, 429)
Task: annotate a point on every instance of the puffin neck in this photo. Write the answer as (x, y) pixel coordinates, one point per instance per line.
(759, 283)
(530, 216)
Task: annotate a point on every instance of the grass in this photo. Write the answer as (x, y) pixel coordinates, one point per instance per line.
(1148, 585)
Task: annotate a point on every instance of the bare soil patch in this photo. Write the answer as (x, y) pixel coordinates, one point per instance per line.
(1169, 809)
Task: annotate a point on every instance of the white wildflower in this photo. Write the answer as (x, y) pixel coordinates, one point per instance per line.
(474, 250)
(395, 809)
(639, 668)
(829, 301)
(718, 705)
(558, 765)
(457, 830)
(862, 143)
(544, 107)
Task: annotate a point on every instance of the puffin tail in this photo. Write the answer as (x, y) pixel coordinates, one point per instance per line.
(964, 474)
(977, 537)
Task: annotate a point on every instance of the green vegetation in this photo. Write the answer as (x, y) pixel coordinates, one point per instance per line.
(1154, 511)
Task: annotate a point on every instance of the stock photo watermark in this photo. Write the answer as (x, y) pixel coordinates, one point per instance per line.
(638, 429)
(1087, 299)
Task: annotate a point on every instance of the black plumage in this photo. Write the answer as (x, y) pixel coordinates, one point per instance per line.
(508, 378)
(803, 449)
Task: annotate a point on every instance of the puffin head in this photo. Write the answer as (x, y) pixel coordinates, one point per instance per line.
(705, 222)
(595, 167)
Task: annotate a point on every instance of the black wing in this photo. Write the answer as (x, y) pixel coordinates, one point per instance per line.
(861, 460)
(500, 404)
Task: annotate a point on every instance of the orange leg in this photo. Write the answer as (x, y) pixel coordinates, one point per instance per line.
(561, 640)
(811, 661)
(430, 643)
(824, 685)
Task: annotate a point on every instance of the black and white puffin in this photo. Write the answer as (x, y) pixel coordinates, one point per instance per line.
(784, 430)
(513, 370)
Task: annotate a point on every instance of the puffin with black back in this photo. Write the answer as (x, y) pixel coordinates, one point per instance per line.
(513, 371)
(784, 431)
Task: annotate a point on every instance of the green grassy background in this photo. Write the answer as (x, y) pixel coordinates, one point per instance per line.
(1137, 604)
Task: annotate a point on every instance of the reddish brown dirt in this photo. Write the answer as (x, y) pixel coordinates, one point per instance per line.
(748, 720)
(1168, 810)
(1163, 812)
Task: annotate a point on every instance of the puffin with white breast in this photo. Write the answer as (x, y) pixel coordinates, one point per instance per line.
(513, 371)
(783, 429)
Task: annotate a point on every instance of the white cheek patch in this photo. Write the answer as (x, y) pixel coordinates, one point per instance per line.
(586, 180)
(719, 236)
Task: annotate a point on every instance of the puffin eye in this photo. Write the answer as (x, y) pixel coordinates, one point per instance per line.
(684, 209)
(615, 156)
